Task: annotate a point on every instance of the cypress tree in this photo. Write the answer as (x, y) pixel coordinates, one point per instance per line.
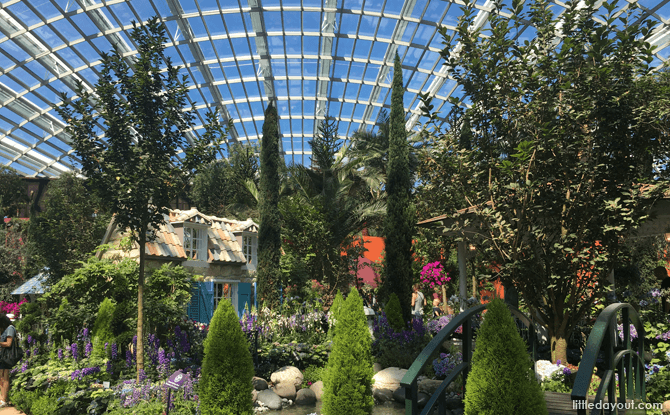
(269, 234)
(227, 369)
(394, 313)
(502, 380)
(102, 329)
(347, 387)
(400, 215)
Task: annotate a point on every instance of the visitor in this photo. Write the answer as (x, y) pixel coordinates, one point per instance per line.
(437, 312)
(8, 335)
(418, 301)
(662, 275)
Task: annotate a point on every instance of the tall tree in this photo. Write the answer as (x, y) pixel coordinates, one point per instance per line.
(69, 228)
(269, 234)
(564, 130)
(400, 216)
(138, 170)
(220, 188)
(12, 192)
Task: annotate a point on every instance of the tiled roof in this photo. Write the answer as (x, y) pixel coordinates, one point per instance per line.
(222, 244)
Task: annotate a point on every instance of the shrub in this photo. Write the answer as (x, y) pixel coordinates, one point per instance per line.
(227, 369)
(334, 313)
(394, 313)
(502, 380)
(347, 385)
(398, 348)
(102, 330)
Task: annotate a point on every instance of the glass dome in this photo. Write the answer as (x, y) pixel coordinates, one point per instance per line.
(312, 57)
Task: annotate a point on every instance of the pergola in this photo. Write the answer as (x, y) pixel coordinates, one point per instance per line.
(311, 57)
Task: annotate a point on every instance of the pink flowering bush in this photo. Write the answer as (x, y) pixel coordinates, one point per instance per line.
(433, 274)
(12, 308)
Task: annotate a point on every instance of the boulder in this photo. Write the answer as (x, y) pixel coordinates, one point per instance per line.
(382, 395)
(254, 395)
(287, 374)
(270, 399)
(666, 407)
(377, 367)
(305, 397)
(285, 390)
(260, 384)
(429, 386)
(317, 388)
(388, 378)
(422, 399)
(544, 369)
(399, 395)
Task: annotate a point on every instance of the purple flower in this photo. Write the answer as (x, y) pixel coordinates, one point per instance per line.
(115, 351)
(129, 358)
(30, 339)
(567, 371)
(88, 349)
(75, 354)
(109, 367)
(558, 362)
(143, 375)
(60, 354)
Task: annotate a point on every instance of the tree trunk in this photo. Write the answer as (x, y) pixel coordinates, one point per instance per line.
(445, 305)
(559, 344)
(139, 349)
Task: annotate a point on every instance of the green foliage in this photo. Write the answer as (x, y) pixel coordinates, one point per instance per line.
(269, 234)
(335, 309)
(347, 388)
(225, 386)
(69, 227)
(563, 167)
(657, 387)
(400, 216)
(220, 188)
(168, 293)
(31, 321)
(313, 374)
(102, 330)
(558, 382)
(325, 145)
(502, 380)
(17, 262)
(394, 313)
(13, 192)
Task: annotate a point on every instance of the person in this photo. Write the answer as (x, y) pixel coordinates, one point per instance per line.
(6, 339)
(418, 301)
(436, 305)
(662, 275)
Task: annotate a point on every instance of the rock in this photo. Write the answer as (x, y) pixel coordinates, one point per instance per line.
(453, 403)
(270, 399)
(428, 386)
(287, 374)
(382, 395)
(260, 384)
(666, 407)
(377, 367)
(544, 369)
(254, 395)
(317, 388)
(399, 395)
(458, 411)
(285, 390)
(305, 397)
(388, 378)
(422, 399)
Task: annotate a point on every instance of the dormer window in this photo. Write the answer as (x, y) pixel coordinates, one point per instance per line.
(250, 249)
(195, 243)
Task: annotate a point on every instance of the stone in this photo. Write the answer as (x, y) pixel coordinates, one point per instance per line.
(666, 407)
(254, 395)
(544, 369)
(285, 390)
(287, 374)
(305, 397)
(382, 395)
(377, 367)
(317, 388)
(388, 378)
(453, 403)
(270, 399)
(260, 384)
(399, 395)
(422, 399)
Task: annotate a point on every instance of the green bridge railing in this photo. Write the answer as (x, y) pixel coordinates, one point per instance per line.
(620, 359)
(409, 381)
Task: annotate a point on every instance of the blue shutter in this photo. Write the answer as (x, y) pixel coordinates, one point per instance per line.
(206, 301)
(243, 297)
(193, 310)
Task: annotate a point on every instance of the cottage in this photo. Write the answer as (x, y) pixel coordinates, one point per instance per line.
(223, 252)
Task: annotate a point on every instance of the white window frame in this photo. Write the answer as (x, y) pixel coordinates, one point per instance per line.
(250, 248)
(199, 253)
(217, 293)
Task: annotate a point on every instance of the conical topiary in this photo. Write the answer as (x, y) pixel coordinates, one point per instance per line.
(227, 369)
(102, 329)
(335, 309)
(394, 313)
(347, 387)
(502, 380)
